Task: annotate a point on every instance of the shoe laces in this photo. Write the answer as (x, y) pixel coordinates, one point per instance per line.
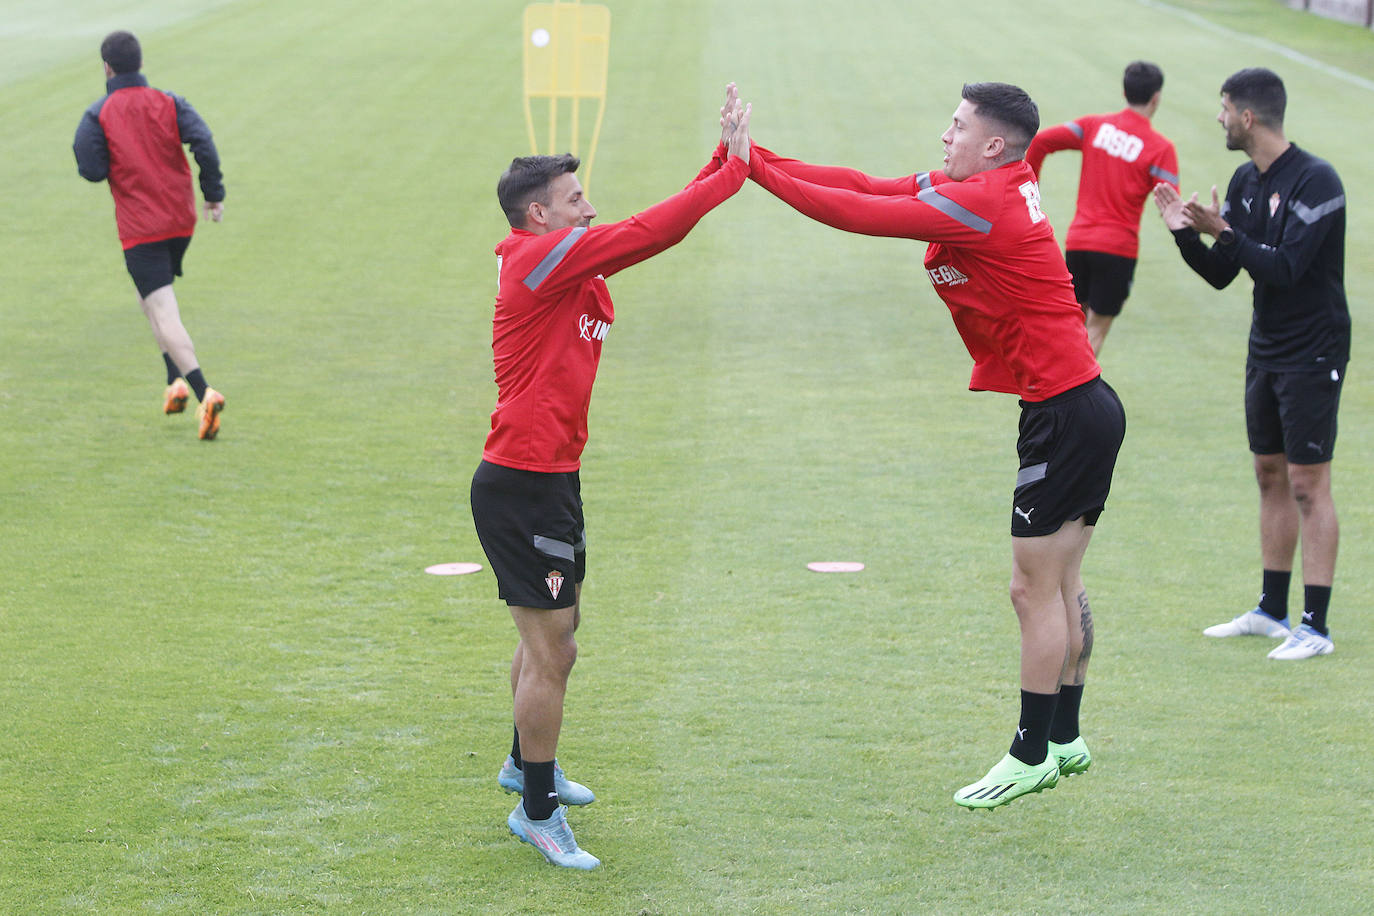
(561, 834)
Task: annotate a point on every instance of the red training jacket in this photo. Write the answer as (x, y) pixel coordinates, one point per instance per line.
(553, 312)
(1123, 159)
(992, 257)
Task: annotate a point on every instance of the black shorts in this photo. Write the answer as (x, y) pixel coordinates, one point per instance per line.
(153, 264)
(1101, 281)
(531, 528)
(1293, 413)
(1067, 446)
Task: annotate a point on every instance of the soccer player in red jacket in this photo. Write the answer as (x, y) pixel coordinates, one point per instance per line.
(132, 137)
(994, 261)
(553, 312)
(1123, 159)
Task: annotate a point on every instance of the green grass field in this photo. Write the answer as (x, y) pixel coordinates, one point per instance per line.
(228, 686)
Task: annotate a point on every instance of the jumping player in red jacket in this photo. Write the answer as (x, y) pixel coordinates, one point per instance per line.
(553, 312)
(1123, 159)
(994, 261)
(133, 137)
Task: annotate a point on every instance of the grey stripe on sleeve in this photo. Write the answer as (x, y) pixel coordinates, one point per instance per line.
(1163, 174)
(1031, 474)
(1310, 215)
(954, 211)
(550, 547)
(553, 258)
(1076, 128)
(923, 181)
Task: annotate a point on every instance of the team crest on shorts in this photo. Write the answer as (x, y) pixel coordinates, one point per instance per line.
(554, 580)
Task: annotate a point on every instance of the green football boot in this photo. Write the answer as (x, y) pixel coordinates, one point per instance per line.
(1073, 758)
(1009, 780)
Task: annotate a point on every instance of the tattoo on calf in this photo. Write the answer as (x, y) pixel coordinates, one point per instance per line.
(1085, 621)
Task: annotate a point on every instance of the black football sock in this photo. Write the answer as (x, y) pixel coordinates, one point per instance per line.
(1315, 600)
(1064, 725)
(540, 797)
(1274, 593)
(197, 383)
(173, 373)
(1031, 744)
(515, 749)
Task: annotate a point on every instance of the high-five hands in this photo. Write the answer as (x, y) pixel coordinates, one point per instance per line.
(734, 123)
(731, 100)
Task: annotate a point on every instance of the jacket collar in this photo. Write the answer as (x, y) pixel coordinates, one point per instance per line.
(125, 81)
(1285, 157)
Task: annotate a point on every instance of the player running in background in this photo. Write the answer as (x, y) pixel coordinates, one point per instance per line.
(132, 137)
(1283, 221)
(553, 311)
(994, 261)
(1123, 159)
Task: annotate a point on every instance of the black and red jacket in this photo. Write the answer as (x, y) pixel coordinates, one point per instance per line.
(133, 137)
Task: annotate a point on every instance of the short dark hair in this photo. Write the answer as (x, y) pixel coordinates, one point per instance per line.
(1141, 81)
(528, 179)
(1011, 108)
(1259, 90)
(122, 52)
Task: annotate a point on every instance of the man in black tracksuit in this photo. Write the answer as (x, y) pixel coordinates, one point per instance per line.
(1283, 221)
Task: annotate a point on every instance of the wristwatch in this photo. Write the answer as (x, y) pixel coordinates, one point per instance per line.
(1226, 237)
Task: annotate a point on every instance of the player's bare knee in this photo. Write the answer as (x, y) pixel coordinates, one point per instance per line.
(1310, 485)
(553, 662)
(1309, 498)
(1023, 597)
(563, 656)
(1272, 476)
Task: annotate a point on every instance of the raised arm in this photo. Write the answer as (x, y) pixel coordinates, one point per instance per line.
(926, 214)
(835, 176)
(1165, 168)
(1052, 140)
(587, 252)
(824, 175)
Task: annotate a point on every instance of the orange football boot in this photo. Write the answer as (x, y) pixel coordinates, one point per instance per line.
(208, 413)
(174, 401)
